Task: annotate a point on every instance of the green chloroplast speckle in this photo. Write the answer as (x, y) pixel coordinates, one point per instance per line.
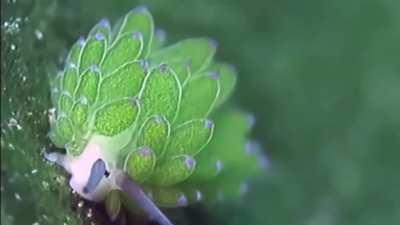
(148, 120)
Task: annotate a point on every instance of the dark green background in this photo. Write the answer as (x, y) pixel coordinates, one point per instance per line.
(322, 78)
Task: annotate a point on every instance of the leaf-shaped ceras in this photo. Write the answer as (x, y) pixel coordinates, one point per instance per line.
(186, 57)
(147, 116)
(161, 93)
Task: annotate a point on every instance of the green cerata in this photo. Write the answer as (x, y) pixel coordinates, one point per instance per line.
(146, 124)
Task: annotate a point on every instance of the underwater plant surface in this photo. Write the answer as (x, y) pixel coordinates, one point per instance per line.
(321, 77)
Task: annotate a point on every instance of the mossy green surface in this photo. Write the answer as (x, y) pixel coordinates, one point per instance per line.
(32, 191)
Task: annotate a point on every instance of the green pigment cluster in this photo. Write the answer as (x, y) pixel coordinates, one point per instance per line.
(160, 113)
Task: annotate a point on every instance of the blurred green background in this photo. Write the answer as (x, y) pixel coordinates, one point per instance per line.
(322, 78)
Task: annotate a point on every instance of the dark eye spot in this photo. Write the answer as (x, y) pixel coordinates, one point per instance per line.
(106, 173)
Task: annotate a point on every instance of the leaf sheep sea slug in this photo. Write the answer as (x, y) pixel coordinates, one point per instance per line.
(146, 121)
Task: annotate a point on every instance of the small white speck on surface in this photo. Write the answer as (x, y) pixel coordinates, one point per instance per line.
(11, 146)
(12, 26)
(199, 195)
(45, 217)
(89, 213)
(52, 114)
(39, 34)
(219, 166)
(17, 196)
(12, 122)
(45, 185)
(60, 179)
(80, 204)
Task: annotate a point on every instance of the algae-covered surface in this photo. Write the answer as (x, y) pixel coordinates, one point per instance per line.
(321, 77)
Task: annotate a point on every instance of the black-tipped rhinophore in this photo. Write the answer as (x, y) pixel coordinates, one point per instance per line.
(131, 188)
(96, 174)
